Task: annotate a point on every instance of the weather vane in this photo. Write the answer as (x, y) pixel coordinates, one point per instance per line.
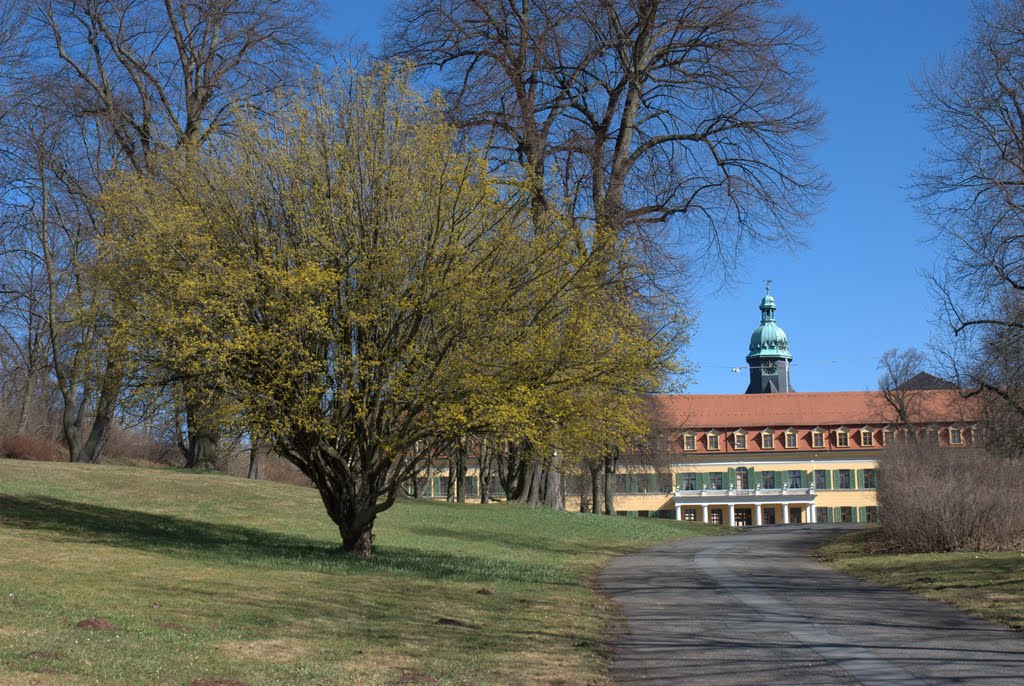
(768, 286)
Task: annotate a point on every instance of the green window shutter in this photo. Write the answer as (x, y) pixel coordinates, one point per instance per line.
(835, 478)
(780, 479)
(730, 478)
(652, 483)
(435, 486)
(679, 482)
(836, 515)
(751, 477)
(828, 479)
(862, 514)
(860, 478)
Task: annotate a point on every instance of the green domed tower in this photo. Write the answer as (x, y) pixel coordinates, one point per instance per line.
(769, 357)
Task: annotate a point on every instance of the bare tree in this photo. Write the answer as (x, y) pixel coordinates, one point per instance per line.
(637, 114)
(898, 368)
(972, 191)
(104, 86)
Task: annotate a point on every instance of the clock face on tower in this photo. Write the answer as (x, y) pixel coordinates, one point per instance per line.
(769, 368)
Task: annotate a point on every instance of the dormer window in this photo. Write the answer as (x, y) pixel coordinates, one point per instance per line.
(888, 436)
(689, 441)
(842, 438)
(956, 436)
(867, 437)
(712, 440)
(791, 439)
(817, 438)
(767, 440)
(740, 439)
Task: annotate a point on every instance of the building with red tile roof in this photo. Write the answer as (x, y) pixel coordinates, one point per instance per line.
(775, 456)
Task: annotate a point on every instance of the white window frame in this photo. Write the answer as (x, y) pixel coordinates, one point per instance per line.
(689, 441)
(717, 438)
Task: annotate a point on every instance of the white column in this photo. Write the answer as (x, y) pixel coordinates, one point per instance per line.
(757, 510)
(704, 513)
(811, 514)
(679, 513)
(785, 513)
(732, 515)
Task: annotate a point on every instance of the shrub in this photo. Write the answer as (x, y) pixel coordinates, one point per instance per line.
(938, 500)
(22, 447)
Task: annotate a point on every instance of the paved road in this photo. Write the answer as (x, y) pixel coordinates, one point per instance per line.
(755, 608)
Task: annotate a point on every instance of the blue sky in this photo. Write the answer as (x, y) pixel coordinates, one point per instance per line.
(855, 290)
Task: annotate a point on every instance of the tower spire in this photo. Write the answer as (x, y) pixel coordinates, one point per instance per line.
(769, 356)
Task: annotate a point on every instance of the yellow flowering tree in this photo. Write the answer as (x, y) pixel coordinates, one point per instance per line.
(358, 287)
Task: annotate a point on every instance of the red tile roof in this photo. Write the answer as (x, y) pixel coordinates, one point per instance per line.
(782, 410)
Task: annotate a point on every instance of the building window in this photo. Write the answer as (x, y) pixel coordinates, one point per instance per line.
(795, 478)
(871, 514)
(791, 440)
(887, 437)
(869, 478)
(955, 436)
(689, 482)
(689, 441)
(842, 438)
(712, 441)
(845, 514)
(820, 479)
(844, 478)
(742, 478)
(690, 514)
(715, 516)
(740, 440)
(821, 515)
(867, 439)
(767, 440)
(716, 480)
(768, 479)
(817, 439)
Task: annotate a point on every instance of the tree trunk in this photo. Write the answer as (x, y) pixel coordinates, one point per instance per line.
(534, 496)
(460, 472)
(609, 483)
(358, 541)
(254, 461)
(553, 496)
(201, 450)
(595, 488)
(450, 494)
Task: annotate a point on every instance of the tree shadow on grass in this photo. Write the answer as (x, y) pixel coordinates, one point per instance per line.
(233, 544)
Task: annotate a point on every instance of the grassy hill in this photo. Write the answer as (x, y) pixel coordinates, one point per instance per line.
(119, 575)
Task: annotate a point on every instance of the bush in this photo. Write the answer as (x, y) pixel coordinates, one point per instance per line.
(939, 500)
(22, 447)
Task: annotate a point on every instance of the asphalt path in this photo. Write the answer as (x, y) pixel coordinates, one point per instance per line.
(756, 608)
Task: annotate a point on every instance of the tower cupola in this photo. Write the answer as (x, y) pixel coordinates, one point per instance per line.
(768, 356)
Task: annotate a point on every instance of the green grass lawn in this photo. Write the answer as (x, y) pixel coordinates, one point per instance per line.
(121, 575)
(987, 585)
